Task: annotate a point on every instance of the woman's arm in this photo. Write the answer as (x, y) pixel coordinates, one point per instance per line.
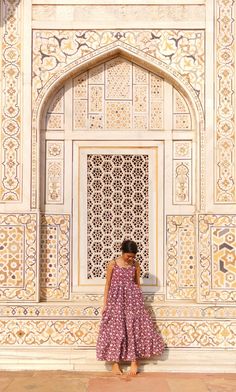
(108, 280)
(137, 273)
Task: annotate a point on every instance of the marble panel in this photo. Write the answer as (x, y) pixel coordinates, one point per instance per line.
(217, 270)
(18, 269)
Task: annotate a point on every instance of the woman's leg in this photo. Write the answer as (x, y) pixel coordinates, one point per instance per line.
(116, 368)
(133, 368)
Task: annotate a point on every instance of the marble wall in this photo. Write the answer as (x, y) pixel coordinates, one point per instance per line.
(112, 127)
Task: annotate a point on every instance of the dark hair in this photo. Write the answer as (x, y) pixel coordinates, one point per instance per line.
(129, 246)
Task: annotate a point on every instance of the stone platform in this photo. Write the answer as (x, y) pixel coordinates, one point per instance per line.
(61, 381)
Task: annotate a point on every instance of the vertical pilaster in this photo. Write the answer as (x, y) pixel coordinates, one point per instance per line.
(225, 102)
(11, 111)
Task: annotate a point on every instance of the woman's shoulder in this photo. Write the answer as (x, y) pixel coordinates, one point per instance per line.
(111, 263)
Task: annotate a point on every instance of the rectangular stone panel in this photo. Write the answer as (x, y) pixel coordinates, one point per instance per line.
(96, 121)
(181, 121)
(18, 253)
(182, 181)
(118, 79)
(96, 75)
(217, 258)
(96, 97)
(80, 114)
(80, 86)
(223, 269)
(156, 88)
(181, 257)
(182, 149)
(54, 179)
(156, 115)
(12, 264)
(140, 99)
(55, 121)
(118, 115)
(140, 122)
(140, 75)
(55, 257)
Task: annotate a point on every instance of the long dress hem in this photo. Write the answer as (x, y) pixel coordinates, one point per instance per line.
(126, 331)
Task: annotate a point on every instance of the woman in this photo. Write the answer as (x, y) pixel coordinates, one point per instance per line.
(126, 331)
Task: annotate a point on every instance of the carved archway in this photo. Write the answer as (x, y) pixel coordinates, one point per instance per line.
(97, 57)
(83, 73)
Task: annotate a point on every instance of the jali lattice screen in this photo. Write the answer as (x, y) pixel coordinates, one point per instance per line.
(117, 208)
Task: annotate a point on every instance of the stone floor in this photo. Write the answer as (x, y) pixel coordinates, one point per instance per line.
(61, 381)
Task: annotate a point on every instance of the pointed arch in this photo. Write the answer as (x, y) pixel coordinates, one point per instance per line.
(99, 56)
(127, 52)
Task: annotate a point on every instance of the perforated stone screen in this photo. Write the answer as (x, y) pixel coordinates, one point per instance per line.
(117, 208)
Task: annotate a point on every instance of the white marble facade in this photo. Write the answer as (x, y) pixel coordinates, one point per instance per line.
(117, 121)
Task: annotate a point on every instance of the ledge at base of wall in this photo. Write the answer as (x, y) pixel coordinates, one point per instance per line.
(74, 359)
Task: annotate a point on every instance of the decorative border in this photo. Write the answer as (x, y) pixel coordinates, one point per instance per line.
(225, 102)
(61, 291)
(10, 137)
(173, 226)
(83, 333)
(28, 292)
(206, 292)
(90, 305)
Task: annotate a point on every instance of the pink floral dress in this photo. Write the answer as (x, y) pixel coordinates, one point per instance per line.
(126, 331)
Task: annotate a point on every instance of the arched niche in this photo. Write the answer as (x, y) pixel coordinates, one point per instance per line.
(118, 107)
(118, 95)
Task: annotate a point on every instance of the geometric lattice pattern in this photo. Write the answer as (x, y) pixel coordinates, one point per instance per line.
(48, 265)
(116, 95)
(217, 257)
(181, 259)
(223, 257)
(11, 256)
(18, 250)
(55, 257)
(117, 208)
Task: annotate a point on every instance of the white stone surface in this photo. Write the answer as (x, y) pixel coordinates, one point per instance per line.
(119, 16)
(175, 360)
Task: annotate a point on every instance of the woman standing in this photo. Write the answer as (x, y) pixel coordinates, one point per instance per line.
(126, 331)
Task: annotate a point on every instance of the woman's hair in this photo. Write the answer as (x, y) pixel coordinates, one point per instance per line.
(129, 246)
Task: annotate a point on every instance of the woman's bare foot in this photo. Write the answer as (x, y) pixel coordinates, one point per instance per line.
(116, 368)
(133, 368)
